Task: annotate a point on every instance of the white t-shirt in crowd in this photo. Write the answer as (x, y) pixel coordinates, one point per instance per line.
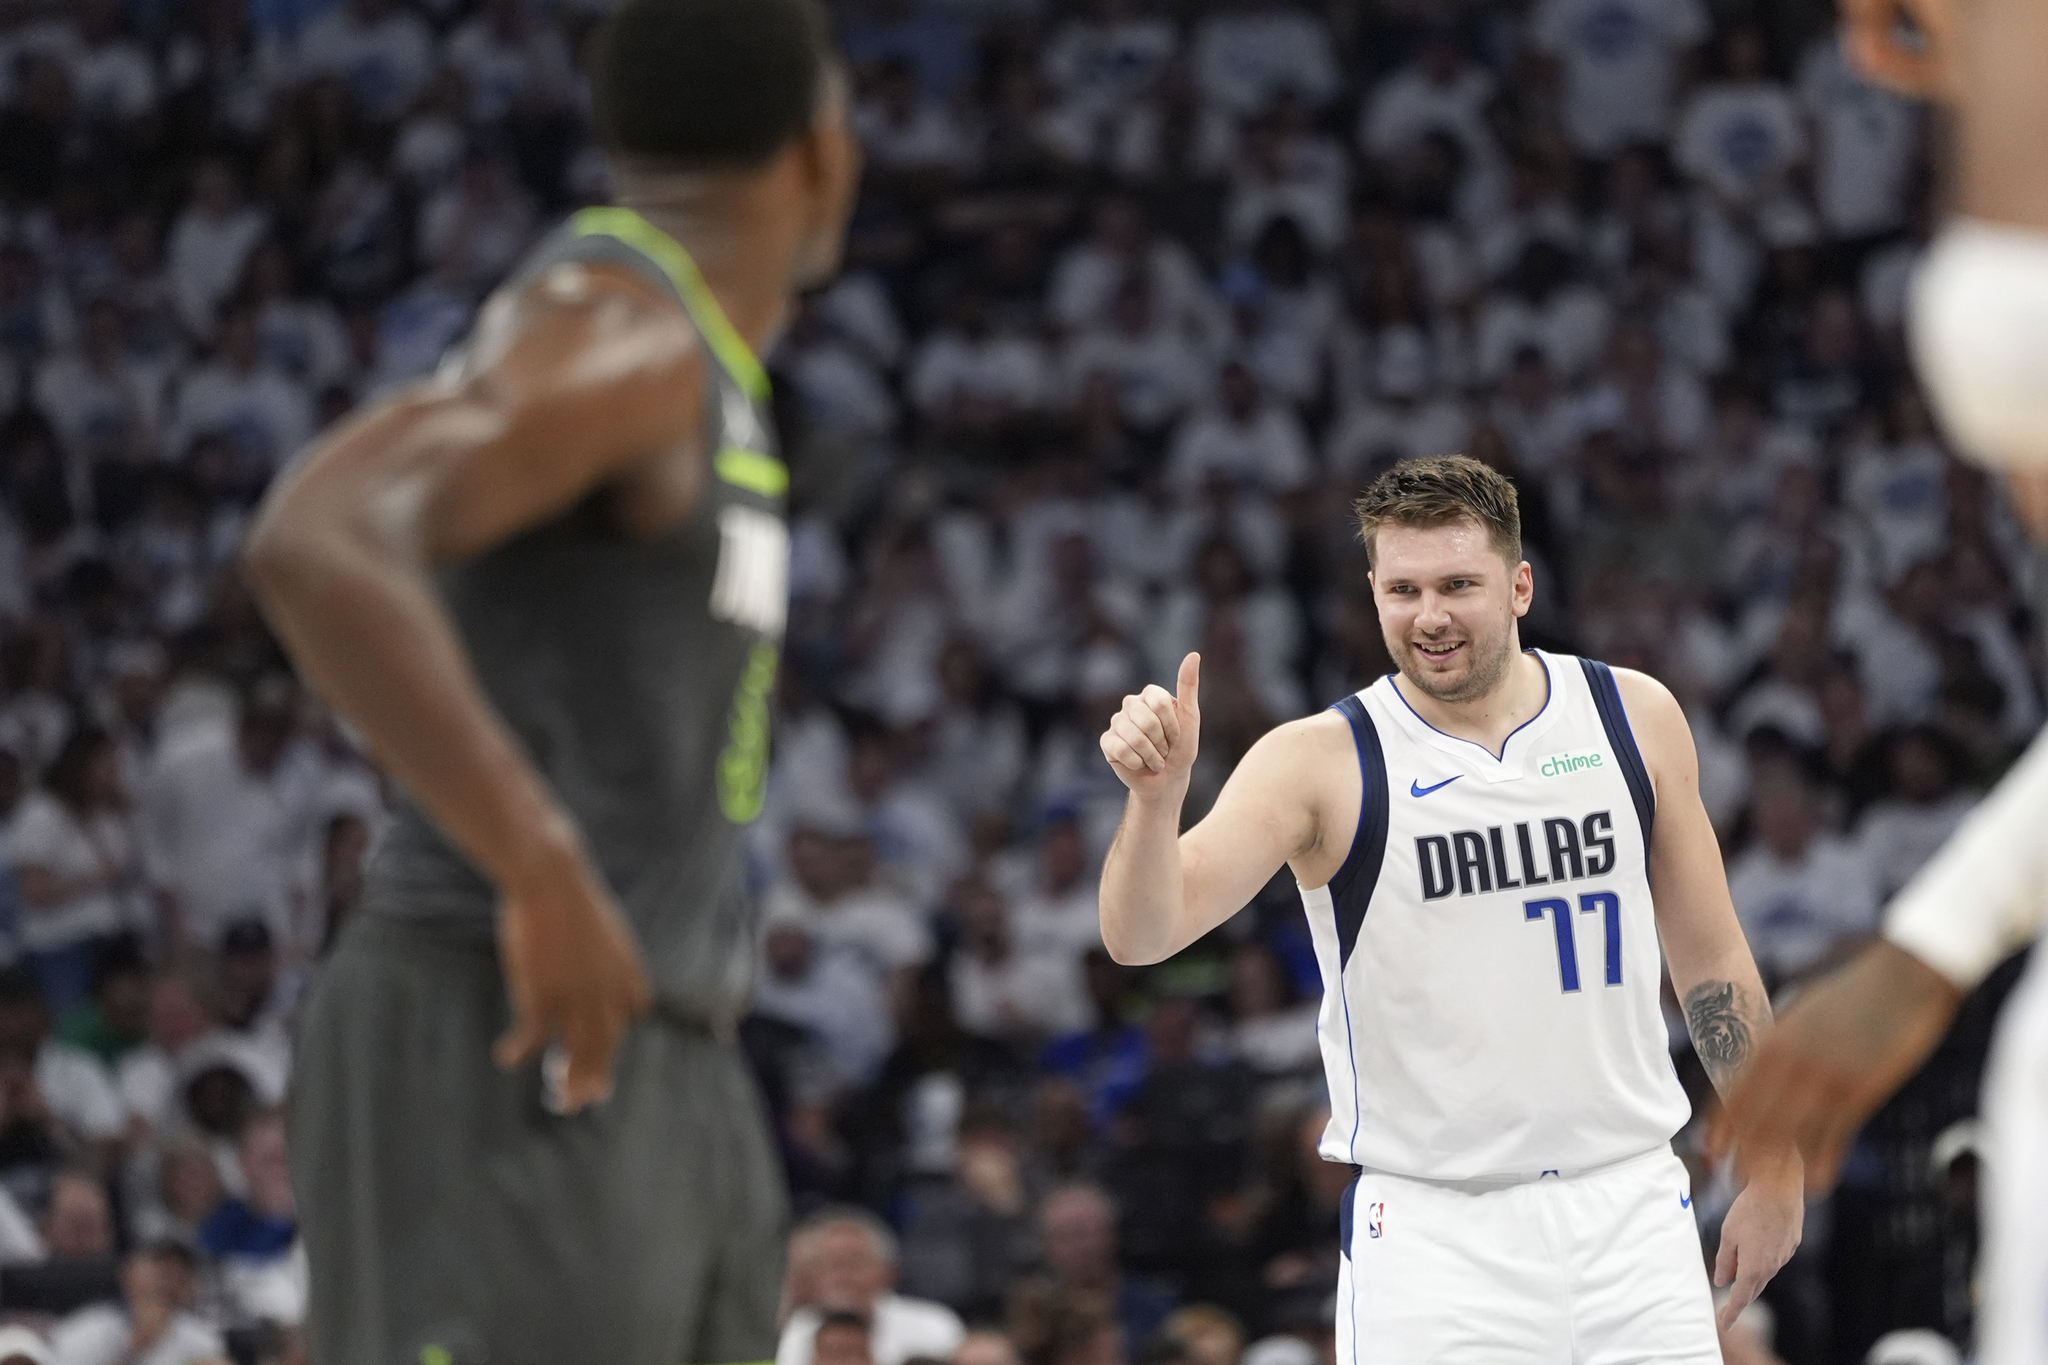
(1897, 838)
(386, 64)
(899, 1328)
(501, 74)
(1097, 66)
(114, 81)
(1617, 57)
(264, 414)
(1242, 62)
(99, 1335)
(1410, 105)
(841, 1005)
(1741, 140)
(49, 835)
(1038, 993)
(79, 1094)
(1866, 138)
(1794, 913)
(204, 261)
(227, 842)
(1369, 430)
(98, 413)
(1569, 327)
(1268, 450)
(1006, 369)
(1157, 375)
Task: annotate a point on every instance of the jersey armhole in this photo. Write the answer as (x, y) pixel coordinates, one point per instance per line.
(1622, 738)
(1351, 889)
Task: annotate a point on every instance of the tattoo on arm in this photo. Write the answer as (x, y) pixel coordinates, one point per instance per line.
(1720, 1033)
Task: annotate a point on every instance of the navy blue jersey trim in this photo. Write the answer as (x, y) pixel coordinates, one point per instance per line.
(1346, 1219)
(1351, 889)
(1614, 719)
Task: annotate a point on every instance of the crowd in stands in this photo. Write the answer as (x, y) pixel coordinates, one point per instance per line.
(1139, 294)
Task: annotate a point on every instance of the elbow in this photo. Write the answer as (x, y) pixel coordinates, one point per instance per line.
(1124, 953)
(291, 547)
(1121, 955)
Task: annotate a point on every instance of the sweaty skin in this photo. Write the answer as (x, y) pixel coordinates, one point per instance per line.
(587, 380)
(1449, 609)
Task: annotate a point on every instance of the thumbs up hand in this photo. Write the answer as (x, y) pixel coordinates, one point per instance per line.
(1151, 743)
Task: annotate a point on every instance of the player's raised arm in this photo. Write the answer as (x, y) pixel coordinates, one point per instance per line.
(1714, 975)
(1161, 889)
(574, 382)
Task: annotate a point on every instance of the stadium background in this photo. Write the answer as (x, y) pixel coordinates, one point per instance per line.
(1139, 293)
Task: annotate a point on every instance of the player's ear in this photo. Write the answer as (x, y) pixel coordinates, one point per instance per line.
(829, 155)
(1522, 589)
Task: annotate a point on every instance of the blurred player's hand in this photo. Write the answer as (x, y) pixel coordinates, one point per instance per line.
(1905, 45)
(1758, 1236)
(1151, 742)
(1847, 1042)
(574, 975)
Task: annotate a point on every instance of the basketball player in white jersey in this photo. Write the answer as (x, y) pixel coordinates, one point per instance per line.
(1476, 840)
(1980, 316)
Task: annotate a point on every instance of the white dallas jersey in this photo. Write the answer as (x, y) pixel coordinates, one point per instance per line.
(1489, 956)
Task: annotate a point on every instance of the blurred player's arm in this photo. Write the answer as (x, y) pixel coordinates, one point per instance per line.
(574, 382)
(1853, 1037)
(1715, 977)
(1161, 889)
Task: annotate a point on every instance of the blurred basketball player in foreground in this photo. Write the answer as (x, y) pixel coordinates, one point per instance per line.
(1980, 334)
(549, 587)
(1476, 839)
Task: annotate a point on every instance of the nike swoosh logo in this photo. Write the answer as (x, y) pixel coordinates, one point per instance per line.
(1685, 1201)
(1415, 787)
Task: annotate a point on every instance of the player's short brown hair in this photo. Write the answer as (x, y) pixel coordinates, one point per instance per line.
(1440, 490)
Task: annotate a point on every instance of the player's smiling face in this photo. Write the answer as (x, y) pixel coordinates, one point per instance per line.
(1448, 603)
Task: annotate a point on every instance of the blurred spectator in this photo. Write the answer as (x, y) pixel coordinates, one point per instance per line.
(113, 1020)
(210, 242)
(841, 1339)
(843, 1261)
(52, 1096)
(1247, 438)
(253, 1238)
(227, 821)
(381, 49)
(1619, 58)
(75, 856)
(21, 1346)
(837, 1001)
(1000, 988)
(1803, 895)
(1254, 51)
(1077, 1225)
(153, 1326)
(1897, 835)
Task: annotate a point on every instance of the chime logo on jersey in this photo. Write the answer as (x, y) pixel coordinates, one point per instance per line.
(751, 588)
(1477, 862)
(1375, 1215)
(1560, 765)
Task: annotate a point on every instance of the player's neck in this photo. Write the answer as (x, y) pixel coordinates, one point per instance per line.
(742, 254)
(1487, 720)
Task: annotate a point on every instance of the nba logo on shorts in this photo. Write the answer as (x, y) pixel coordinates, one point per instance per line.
(1373, 1214)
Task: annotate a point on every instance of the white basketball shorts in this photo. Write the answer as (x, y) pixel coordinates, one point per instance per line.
(2012, 1327)
(1601, 1267)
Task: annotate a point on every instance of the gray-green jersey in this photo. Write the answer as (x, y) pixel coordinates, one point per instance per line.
(635, 672)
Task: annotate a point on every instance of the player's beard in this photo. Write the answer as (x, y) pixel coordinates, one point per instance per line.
(1487, 659)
